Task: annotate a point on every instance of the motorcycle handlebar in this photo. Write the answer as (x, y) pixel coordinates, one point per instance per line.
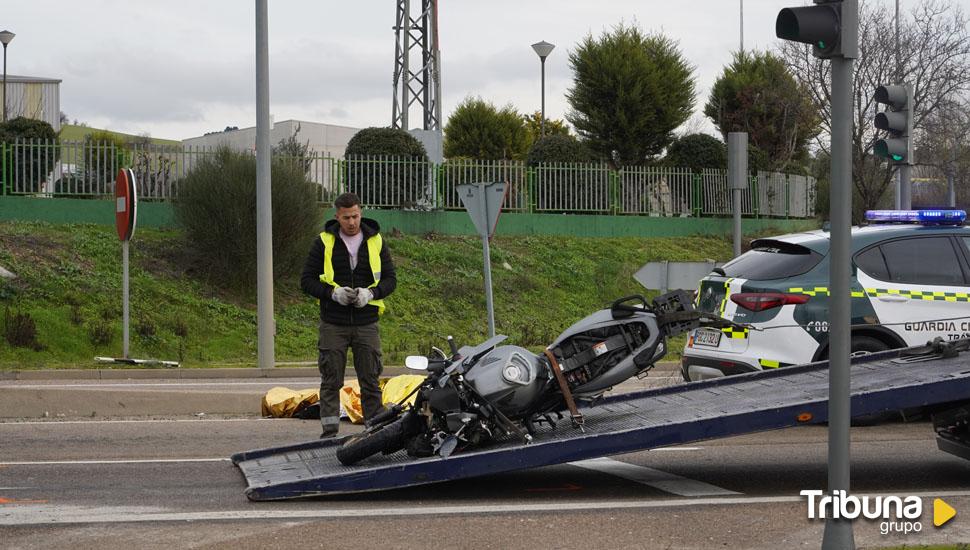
(452, 345)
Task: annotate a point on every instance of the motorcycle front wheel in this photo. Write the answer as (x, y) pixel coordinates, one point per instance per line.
(388, 439)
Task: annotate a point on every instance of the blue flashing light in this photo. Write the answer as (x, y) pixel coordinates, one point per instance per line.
(925, 217)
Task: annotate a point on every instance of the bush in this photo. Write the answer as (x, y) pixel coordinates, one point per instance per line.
(390, 142)
(26, 128)
(387, 167)
(697, 151)
(558, 148)
(477, 129)
(20, 330)
(100, 333)
(145, 327)
(216, 207)
(29, 161)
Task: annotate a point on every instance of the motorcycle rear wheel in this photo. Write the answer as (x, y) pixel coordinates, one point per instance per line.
(387, 439)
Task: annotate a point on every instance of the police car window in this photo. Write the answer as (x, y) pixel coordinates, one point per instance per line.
(873, 264)
(772, 260)
(929, 260)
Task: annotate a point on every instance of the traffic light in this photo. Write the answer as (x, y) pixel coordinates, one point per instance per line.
(821, 25)
(897, 120)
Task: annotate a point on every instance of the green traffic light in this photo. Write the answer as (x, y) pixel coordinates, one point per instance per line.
(897, 158)
(821, 45)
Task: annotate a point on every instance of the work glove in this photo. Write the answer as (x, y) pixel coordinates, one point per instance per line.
(344, 295)
(364, 295)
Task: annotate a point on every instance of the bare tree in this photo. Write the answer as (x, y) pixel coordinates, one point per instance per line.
(934, 54)
(945, 148)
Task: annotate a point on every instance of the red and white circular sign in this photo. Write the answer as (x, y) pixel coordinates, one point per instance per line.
(126, 201)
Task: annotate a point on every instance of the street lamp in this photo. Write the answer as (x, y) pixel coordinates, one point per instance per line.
(5, 37)
(543, 49)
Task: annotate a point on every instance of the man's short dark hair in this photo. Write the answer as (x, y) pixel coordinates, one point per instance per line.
(346, 200)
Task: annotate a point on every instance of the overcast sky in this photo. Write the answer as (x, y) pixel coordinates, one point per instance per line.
(176, 69)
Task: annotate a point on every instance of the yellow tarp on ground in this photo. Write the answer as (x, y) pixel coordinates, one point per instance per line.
(284, 402)
(393, 390)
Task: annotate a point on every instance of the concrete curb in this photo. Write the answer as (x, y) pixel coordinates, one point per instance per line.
(159, 373)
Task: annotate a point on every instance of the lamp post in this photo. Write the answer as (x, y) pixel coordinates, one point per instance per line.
(5, 37)
(543, 49)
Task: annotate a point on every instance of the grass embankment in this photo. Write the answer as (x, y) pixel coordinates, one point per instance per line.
(72, 132)
(69, 283)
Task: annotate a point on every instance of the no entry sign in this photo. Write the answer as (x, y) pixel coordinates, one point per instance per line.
(126, 201)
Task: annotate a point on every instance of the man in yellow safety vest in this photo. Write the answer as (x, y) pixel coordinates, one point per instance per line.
(349, 269)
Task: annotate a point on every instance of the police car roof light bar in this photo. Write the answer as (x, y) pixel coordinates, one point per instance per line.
(934, 216)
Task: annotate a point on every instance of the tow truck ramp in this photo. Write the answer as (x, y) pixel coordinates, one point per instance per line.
(674, 415)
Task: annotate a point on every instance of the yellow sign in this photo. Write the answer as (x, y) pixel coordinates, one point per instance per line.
(942, 512)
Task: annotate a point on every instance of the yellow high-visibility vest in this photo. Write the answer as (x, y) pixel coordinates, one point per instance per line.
(374, 245)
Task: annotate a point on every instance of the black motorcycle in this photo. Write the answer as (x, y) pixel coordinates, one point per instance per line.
(491, 392)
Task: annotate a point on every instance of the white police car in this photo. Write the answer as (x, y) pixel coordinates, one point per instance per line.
(910, 283)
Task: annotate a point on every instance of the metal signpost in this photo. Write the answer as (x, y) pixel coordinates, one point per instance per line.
(484, 203)
(126, 203)
(126, 208)
(737, 179)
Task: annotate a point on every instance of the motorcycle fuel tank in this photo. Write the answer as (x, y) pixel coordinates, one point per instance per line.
(509, 376)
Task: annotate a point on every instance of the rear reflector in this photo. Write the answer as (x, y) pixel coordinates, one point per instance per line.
(760, 301)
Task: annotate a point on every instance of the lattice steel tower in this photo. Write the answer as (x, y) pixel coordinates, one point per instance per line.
(417, 80)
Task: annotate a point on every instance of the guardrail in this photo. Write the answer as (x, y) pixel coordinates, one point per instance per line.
(87, 170)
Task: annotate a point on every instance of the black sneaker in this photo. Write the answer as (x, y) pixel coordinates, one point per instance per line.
(328, 434)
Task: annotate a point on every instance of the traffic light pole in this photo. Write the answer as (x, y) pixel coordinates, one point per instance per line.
(906, 169)
(838, 532)
(831, 28)
(905, 187)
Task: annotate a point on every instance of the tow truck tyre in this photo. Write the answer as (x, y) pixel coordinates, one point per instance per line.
(389, 438)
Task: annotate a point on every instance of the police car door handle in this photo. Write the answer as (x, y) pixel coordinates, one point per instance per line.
(893, 298)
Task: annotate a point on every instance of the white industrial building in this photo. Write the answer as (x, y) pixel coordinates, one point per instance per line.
(325, 140)
(33, 97)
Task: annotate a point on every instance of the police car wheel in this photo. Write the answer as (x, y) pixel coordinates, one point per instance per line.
(867, 344)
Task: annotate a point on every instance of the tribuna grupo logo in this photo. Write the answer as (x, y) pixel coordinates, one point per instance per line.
(897, 514)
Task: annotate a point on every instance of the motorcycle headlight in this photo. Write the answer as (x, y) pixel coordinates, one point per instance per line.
(516, 370)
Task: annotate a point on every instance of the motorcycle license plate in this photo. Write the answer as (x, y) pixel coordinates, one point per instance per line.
(707, 338)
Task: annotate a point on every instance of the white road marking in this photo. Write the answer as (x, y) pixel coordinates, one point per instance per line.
(310, 382)
(16, 488)
(676, 449)
(117, 461)
(47, 514)
(55, 422)
(654, 478)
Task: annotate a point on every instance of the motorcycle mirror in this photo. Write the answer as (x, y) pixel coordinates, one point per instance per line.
(416, 362)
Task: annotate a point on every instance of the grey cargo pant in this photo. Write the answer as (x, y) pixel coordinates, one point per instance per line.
(365, 341)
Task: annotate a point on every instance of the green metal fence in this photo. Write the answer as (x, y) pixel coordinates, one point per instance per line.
(87, 169)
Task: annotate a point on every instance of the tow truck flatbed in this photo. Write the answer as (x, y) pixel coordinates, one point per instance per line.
(637, 421)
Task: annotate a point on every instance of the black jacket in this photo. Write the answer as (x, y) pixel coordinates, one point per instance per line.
(362, 276)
